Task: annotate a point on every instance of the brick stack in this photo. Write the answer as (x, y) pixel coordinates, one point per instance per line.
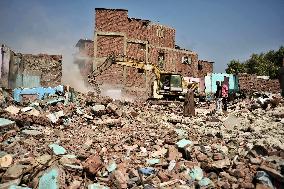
(251, 83)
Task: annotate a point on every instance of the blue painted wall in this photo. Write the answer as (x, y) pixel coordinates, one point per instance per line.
(27, 81)
(210, 82)
(40, 91)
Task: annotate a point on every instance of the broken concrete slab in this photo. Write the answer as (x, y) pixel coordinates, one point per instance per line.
(196, 173)
(97, 186)
(9, 184)
(153, 161)
(53, 117)
(111, 166)
(31, 132)
(43, 159)
(51, 178)
(14, 172)
(6, 123)
(183, 143)
(57, 149)
(6, 160)
(98, 108)
(220, 164)
(12, 109)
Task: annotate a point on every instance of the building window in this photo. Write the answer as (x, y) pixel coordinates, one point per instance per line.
(186, 60)
(142, 46)
(199, 67)
(160, 32)
(161, 60)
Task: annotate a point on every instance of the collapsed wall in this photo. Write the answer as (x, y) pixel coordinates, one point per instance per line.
(27, 70)
(252, 83)
(47, 67)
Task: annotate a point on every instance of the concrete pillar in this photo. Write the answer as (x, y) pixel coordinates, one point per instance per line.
(146, 54)
(95, 50)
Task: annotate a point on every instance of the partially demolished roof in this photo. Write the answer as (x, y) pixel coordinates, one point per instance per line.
(111, 9)
(83, 41)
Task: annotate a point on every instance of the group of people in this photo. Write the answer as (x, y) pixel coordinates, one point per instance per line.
(221, 95)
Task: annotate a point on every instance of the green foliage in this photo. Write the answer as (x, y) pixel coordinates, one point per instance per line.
(260, 64)
(235, 67)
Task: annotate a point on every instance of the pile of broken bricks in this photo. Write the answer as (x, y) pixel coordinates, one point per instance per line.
(98, 142)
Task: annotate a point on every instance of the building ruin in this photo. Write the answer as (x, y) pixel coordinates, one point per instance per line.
(138, 39)
(27, 70)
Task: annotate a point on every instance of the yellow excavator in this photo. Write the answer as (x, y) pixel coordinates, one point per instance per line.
(165, 85)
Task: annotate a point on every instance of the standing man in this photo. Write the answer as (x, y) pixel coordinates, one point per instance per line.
(218, 96)
(225, 92)
(189, 107)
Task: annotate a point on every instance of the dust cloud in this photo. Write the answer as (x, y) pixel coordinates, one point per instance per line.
(71, 73)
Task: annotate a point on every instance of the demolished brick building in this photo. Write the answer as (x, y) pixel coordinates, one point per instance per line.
(27, 70)
(138, 39)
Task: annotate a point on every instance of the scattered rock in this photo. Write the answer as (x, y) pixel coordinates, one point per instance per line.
(6, 160)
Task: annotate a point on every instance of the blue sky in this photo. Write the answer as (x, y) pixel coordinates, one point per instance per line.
(219, 30)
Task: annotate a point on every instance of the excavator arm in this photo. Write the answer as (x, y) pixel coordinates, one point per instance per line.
(123, 61)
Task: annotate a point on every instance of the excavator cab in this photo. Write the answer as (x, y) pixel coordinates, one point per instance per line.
(170, 84)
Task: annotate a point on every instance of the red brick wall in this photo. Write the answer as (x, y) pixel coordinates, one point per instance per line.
(135, 79)
(139, 29)
(118, 21)
(111, 21)
(137, 51)
(89, 49)
(108, 44)
(114, 75)
(251, 83)
(206, 67)
(173, 61)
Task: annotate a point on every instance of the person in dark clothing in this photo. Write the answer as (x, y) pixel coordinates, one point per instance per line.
(225, 94)
(189, 106)
(218, 96)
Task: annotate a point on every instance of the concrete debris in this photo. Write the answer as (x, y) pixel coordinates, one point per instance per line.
(53, 117)
(96, 142)
(12, 109)
(57, 149)
(6, 160)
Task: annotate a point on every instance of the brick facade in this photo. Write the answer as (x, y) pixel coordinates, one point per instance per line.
(143, 40)
(251, 83)
(204, 67)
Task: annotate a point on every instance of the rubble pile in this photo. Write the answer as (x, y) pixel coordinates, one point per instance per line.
(250, 83)
(98, 142)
